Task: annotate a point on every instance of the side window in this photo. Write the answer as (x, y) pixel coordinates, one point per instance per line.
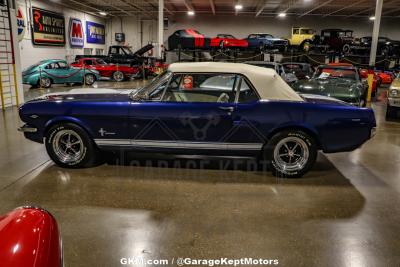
(246, 93)
(295, 31)
(212, 88)
(50, 66)
(62, 65)
(88, 62)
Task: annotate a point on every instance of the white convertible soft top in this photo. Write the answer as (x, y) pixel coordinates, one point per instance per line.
(269, 85)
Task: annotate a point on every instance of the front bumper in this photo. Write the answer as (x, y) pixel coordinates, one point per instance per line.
(27, 129)
(394, 102)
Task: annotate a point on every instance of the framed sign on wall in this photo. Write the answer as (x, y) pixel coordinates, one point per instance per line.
(76, 33)
(48, 28)
(95, 33)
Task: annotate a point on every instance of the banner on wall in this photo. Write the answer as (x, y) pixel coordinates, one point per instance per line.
(95, 33)
(76, 35)
(48, 28)
(21, 24)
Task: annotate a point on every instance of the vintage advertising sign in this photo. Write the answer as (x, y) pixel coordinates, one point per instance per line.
(48, 28)
(76, 35)
(21, 24)
(95, 33)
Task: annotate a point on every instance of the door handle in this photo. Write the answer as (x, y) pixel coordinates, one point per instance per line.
(230, 109)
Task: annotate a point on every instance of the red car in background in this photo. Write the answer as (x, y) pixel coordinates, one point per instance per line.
(29, 237)
(116, 72)
(386, 78)
(228, 41)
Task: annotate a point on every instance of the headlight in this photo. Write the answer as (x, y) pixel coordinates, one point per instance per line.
(393, 92)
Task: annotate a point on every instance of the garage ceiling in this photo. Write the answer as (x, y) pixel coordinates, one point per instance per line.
(256, 8)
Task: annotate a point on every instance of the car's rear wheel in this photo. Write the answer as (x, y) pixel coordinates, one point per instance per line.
(290, 153)
(118, 76)
(68, 145)
(90, 79)
(45, 82)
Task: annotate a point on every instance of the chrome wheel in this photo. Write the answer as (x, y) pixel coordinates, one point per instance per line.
(291, 154)
(118, 76)
(68, 146)
(45, 82)
(89, 79)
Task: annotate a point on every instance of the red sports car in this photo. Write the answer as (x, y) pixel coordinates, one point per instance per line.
(117, 72)
(228, 41)
(387, 78)
(30, 237)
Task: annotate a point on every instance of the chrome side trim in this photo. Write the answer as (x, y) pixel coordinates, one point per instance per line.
(178, 144)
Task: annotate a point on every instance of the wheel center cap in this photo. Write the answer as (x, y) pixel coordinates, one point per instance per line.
(291, 153)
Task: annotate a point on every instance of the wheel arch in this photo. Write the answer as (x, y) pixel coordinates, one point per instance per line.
(300, 127)
(67, 119)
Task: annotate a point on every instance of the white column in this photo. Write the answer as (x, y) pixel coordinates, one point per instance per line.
(375, 33)
(160, 26)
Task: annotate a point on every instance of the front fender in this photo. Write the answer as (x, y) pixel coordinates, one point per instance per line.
(66, 119)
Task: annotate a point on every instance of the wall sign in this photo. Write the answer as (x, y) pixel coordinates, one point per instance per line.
(48, 28)
(95, 33)
(76, 35)
(21, 24)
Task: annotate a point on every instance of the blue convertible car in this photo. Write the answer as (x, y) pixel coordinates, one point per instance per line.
(199, 108)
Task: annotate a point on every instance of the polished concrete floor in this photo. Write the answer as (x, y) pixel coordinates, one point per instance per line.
(345, 212)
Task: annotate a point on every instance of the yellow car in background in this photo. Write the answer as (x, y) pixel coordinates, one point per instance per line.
(393, 102)
(302, 38)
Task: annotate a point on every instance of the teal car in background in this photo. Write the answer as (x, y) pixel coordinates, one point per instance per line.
(56, 71)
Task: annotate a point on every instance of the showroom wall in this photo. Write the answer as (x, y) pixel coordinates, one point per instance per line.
(137, 32)
(241, 26)
(31, 53)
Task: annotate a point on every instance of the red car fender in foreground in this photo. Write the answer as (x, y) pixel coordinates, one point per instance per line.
(29, 237)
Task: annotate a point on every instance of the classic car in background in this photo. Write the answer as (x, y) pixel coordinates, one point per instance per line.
(55, 71)
(393, 101)
(188, 39)
(287, 130)
(339, 81)
(386, 46)
(120, 54)
(266, 41)
(29, 237)
(302, 71)
(385, 77)
(301, 38)
(116, 72)
(228, 41)
(338, 40)
(286, 76)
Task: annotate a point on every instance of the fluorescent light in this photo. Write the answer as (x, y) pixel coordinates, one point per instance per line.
(282, 15)
(190, 13)
(103, 13)
(372, 18)
(238, 7)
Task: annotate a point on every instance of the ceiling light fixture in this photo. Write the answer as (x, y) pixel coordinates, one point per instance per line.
(103, 13)
(372, 18)
(190, 13)
(282, 15)
(238, 7)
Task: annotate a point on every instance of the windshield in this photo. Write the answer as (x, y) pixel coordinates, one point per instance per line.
(335, 73)
(266, 36)
(153, 85)
(127, 50)
(227, 36)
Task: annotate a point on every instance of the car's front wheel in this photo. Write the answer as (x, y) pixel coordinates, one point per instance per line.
(89, 79)
(68, 145)
(45, 82)
(291, 153)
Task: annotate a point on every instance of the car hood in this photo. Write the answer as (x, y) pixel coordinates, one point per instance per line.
(83, 94)
(339, 88)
